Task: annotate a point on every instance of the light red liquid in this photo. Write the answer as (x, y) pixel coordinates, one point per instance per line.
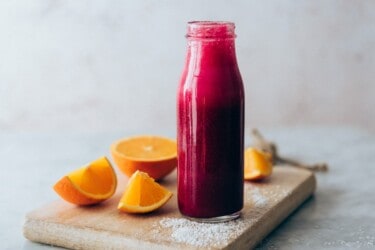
(210, 117)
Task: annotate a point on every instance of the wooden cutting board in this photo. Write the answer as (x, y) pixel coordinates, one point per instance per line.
(103, 227)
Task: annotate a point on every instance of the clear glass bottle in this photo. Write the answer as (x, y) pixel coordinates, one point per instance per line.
(210, 125)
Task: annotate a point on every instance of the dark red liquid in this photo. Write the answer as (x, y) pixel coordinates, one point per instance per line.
(210, 111)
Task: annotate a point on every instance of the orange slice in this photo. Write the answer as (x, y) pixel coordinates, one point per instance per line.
(88, 185)
(154, 155)
(258, 164)
(143, 194)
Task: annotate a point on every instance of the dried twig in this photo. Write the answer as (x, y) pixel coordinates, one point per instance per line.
(271, 148)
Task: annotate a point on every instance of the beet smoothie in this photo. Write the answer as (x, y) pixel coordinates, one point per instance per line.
(210, 125)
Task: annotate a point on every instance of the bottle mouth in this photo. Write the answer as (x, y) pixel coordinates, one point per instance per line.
(210, 29)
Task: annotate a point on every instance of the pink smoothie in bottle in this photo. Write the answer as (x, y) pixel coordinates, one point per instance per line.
(210, 125)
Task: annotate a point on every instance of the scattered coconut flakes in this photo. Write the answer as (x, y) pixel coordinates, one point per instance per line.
(203, 234)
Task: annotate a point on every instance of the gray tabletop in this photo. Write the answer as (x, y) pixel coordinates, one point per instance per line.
(340, 215)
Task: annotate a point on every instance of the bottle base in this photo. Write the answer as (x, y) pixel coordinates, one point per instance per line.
(218, 219)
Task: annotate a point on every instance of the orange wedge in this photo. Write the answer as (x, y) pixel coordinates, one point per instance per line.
(154, 155)
(88, 185)
(143, 194)
(258, 164)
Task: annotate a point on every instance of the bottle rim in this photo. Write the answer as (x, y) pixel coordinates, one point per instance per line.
(210, 30)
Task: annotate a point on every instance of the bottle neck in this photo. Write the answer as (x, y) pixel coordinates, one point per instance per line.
(210, 30)
(211, 44)
(212, 52)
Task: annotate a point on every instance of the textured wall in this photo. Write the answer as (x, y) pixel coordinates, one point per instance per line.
(114, 65)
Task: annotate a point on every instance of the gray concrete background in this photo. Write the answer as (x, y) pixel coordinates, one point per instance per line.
(114, 65)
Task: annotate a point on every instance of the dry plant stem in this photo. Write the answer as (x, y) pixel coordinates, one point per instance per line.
(318, 167)
(271, 148)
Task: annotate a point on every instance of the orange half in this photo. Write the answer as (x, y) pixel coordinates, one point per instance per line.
(258, 164)
(88, 185)
(143, 194)
(154, 155)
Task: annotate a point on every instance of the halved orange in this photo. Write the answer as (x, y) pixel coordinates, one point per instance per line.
(143, 194)
(154, 155)
(258, 164)
(88, 185)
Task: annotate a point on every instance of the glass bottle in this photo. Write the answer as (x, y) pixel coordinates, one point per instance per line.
(210, 125)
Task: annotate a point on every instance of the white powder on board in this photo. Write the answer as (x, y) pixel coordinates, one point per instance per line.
(253, 194)
(258, 199)
(203, 234)
(214, 234)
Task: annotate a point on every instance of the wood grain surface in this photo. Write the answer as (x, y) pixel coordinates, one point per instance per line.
(102, 226)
